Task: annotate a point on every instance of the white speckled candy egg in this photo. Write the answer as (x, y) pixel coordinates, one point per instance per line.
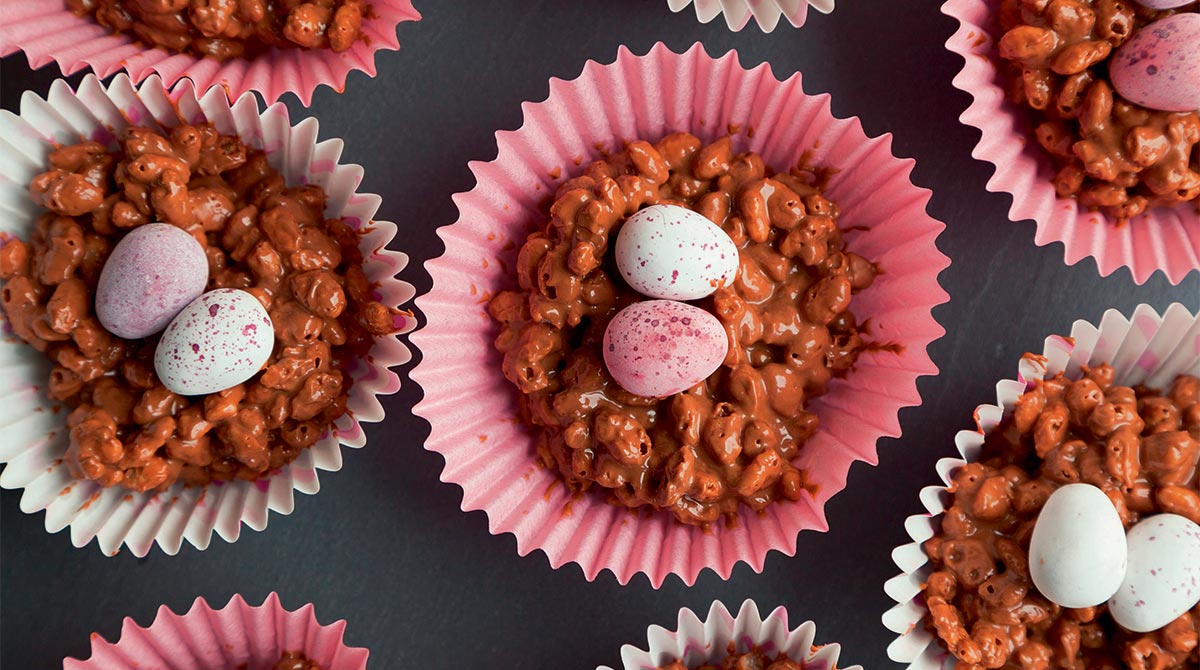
(152, 273)
(1163, 580)
(665, 251)
(1077, 554)
(218, 341)
(658, 348)
(1159, 67)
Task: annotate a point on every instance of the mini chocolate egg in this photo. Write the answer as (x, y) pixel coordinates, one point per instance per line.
(218, 341)
(1163, 580)
(152, 273)
(1159, 67)
(658, 348)
(670, 252)
(1163, 4)
(1077, 553)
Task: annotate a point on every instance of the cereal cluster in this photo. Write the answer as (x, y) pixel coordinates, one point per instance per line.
(1138, 446)
(1113, 155)
(753, 660)
(732, 438)
(126, 428)
(225, 29)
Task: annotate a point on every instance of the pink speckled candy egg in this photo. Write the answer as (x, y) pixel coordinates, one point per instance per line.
(1163, 579)
(1164, 4)
(152, 273)
(671, 252)
(218, 341)
(658, 348)
(1159, 67)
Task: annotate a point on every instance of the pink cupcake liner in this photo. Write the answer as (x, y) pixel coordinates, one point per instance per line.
(47, 31)
(224, 639)
(766, 13)
(1166, 239)
(472, 408)
(696, 641)
(1144, 349)
(35, 435)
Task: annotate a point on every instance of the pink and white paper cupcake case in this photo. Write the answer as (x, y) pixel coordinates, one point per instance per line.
(472, 408)
(1144, 349)
(47, 31)
(767, 13)
(208, 639)
(695, 641)
(1166, 239)
(34, 427)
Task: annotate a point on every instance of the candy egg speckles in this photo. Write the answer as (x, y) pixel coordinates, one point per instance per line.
(1159, 67)
(152, 273)
(218, 341)
(1164, 4)
(671, 252)
(1077, 554)
(1163, 579)
(658, 348)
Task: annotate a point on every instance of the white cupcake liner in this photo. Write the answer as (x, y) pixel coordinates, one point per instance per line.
(696, 641)
(35, 435)
(236, 635)
(1146, 349)
(766, 13)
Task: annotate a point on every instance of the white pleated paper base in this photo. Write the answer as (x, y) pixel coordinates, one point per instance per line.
(696, 641)
(35, 435)
(1146, 348)
(767, 13)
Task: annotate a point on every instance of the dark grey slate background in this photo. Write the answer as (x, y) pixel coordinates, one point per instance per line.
(384, 544)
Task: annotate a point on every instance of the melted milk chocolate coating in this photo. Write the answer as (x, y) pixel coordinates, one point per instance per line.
(753, 660)
(225, 29)
(732, 438)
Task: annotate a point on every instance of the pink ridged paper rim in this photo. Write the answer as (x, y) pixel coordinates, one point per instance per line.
(1166, 239)
(472, 408)
(46, 31)
(35, 435)
(698, 641)
(766, 13)
(204, 638)
(1146, 348)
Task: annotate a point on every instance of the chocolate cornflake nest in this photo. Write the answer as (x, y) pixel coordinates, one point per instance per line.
(1112, 155)
(732, 438)
(260, 236)
(1139, 446)
(225, 29)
